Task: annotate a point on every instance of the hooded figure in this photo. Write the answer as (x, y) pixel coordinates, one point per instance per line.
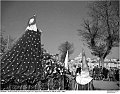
(83, 79)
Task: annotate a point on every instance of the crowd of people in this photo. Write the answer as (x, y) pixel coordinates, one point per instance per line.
(58, 80)
(102, 73)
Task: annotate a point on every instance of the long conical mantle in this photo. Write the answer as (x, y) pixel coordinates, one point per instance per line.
(24, 57)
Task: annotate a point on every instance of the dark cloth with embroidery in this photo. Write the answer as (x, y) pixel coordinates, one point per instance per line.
(24, 58)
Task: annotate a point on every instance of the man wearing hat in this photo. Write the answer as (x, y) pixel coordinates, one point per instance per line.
(84, 81)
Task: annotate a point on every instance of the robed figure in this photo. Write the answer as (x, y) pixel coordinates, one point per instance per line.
(83, 79)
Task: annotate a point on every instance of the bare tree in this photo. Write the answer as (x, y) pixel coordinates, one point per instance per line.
(63, 49)
(5, 42)
(101, 31)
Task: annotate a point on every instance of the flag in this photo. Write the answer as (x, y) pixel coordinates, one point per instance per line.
(66, 61)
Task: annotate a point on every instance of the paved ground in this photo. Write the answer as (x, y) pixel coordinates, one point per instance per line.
(106, 85)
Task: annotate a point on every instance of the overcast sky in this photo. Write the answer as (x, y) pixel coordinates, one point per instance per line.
(59, 21)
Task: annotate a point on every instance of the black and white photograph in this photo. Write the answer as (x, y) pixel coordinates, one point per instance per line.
(51, 45)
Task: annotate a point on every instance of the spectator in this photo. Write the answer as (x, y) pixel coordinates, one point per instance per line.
(96, 72)
(117, 75)
(101, 69)
(105, 72)
(111, 74)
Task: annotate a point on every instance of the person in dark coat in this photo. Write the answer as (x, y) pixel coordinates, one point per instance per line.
(105, 72)
(78, 70)
(96, 72)
(117, 75)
